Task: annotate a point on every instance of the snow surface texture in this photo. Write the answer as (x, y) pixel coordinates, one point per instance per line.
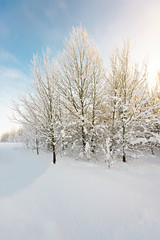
(77, 200)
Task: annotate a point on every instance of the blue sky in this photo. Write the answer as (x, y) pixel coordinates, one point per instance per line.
(28, 26)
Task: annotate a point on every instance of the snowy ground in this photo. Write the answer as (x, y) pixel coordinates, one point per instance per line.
(77, 200)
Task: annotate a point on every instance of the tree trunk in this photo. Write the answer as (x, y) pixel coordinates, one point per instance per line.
(37, 148)
(123, 146)
(54, 158)
(124, 157)
(53, 149)
(83, 140)
(152, 151)
(54, 154)
(93, 145)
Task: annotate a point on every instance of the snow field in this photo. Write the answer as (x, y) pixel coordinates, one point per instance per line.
(77, 200)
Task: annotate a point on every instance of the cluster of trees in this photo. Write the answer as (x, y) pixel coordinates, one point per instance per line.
(75, 103)
(13, 136)
(8, 136)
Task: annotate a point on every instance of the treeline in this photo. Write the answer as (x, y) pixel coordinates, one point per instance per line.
(75, 104)
(10, 136)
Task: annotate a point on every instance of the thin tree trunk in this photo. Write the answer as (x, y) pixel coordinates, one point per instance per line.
(93, 114)
(54, 157)
(152, 151)
(124, 156)
(124, 153)
(83, 140)
(37, 148)
(53, 150)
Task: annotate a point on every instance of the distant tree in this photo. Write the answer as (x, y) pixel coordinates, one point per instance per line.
(10, 136)
(5, 137)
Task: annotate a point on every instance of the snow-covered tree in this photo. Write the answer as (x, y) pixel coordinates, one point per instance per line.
(39, 110)
(82, 77)
(155, 126)
(129, 102)
(76, 104)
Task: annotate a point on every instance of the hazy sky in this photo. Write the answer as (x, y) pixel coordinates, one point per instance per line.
(28, 26)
